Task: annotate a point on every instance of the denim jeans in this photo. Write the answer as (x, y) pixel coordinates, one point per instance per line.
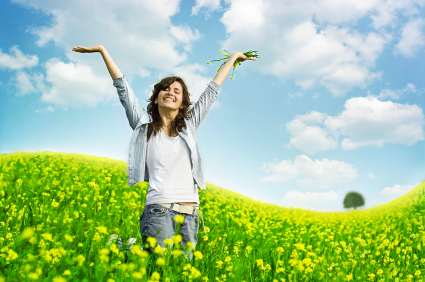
(158, 221)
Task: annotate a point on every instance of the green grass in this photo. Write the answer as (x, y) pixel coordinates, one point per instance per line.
(58, 211)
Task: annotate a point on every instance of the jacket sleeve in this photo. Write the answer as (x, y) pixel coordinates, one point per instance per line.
(131, 104)
(201, 107)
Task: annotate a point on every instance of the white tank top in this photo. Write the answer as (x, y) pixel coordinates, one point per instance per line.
(170, 170)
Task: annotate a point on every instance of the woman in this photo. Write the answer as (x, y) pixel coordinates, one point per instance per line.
(164, 149)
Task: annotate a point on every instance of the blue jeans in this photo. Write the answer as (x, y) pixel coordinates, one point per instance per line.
(158, 221)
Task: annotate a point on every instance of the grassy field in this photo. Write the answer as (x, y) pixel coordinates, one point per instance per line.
(59, 210)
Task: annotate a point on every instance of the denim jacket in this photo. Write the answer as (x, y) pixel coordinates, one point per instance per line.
(139, 120)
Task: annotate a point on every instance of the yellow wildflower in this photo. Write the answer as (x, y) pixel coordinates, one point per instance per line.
(198, 255)
(102, 229)
(177, 239)
(28, 233)
(160, 261)
(179, 218)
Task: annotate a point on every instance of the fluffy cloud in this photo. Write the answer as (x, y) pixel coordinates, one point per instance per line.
(315, 43)
(319, 201)
(139, 36)
(412, 38)
(208, 5)
(27, 83)
(308, 136)
(396, 190)
(397, 93)
(310, 173)
(370, 122)
(364, 122)
(18, 60)
(75, 85)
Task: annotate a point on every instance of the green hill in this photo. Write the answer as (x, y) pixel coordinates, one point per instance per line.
(58, 211)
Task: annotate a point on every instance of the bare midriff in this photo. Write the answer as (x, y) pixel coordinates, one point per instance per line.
(188, 203)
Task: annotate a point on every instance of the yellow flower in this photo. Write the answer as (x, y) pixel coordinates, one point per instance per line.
(33, 276)
(179, 218)
(177, 239)
(59, 279)
(155, 276)
(418, 272)
(68, 238)
(80, 244)
(160, 261)
(259, 262)
(47, 237)
(176, 253)
(380, 272)
(67, 272)
(300, 246)
(279, 250)
(198, 255)
(205, 278)
(168, 241)
(102, 229)
(227, 259)
(151, 241)
(28, 233)
(9, 235)
(208, 63)
(137, 275)
(190, 245)
(349, 277)
(81, 260)
(219, 264)
(114, 248)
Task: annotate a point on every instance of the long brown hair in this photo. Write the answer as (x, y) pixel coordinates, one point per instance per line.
(178, 123)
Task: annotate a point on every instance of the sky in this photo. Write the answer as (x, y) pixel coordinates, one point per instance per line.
(334, 103)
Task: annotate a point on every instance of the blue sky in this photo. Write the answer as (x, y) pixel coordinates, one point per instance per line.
(334, 103)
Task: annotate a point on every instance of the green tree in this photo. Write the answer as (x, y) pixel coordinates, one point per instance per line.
(353, 200)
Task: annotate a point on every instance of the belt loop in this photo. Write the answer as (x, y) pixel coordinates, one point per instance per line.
(193, 210)
(172, 204)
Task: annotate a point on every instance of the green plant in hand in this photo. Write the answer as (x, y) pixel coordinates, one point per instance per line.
(250, 53)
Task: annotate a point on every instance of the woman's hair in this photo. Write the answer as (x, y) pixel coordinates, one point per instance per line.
(178, 123)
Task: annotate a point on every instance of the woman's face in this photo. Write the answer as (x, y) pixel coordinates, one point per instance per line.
(171, 98)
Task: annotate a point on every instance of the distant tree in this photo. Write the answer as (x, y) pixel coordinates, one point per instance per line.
(353, 200)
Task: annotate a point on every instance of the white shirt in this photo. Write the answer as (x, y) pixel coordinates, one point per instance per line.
(170, 170)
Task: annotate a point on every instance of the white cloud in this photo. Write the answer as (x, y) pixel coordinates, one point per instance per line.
(371, 175)
(307, 136)
(326, 52)
(370, 122)
(27, 83)
(397, 93)
(209, 5)
(75, 85)
(412, 38)
(364, 122)
(18, 60)
(397, 190)
(319, 201)
(139, 36)
(308, 173)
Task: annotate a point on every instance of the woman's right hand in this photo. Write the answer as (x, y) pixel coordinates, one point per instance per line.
(93, 49)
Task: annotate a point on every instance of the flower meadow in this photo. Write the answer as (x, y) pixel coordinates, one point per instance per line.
(59, 211)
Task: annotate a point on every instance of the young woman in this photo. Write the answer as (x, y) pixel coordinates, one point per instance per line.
(164, 150)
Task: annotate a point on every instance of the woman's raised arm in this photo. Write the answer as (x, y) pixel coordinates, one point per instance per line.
(112, 67)
(225, 69)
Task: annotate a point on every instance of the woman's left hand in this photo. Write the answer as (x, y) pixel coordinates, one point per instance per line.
(240, 57)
